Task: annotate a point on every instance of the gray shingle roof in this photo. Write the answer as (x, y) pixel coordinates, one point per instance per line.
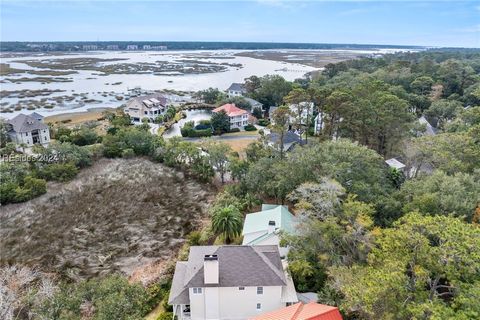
(24, 123)
(253, 102)
(429, 130)
(36, 115)
(239, 266)
(289, 137)
(178, 292)
(236, 87)
(139, 100)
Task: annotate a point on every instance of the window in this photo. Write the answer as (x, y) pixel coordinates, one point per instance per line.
(241, 288)
(259, 306)
(197, 290)
(259, 290)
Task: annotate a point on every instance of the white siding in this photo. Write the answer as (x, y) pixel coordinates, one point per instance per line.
(26, 137)
(212, 303)
(197, 304)
(233, 304)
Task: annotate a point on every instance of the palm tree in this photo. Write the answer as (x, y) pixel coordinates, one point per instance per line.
(228, 222)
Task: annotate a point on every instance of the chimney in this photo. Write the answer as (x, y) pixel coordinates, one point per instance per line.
(210, 269)
(271, 226)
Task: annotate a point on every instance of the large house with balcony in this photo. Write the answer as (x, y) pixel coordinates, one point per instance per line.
(28, 130)
(239, 118)
(230, 282)
(146, 107)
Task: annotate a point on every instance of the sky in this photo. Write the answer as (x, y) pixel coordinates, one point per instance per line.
(426, 23)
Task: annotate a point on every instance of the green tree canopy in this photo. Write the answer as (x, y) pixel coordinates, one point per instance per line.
(420, 265)
(439, 193)
(220, 122)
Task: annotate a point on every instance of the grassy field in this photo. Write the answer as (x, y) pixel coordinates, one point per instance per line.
(240, 145)
(75, 119)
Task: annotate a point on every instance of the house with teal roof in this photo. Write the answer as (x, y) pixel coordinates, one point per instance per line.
(263, 227)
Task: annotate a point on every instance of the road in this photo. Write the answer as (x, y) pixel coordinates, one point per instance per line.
(227, 137)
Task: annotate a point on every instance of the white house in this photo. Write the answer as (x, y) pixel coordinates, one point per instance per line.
(28, 130)
(230, 282)
(238, 117)
(263, 227)
(236, 89)
(301, 112)
(318, 124)
(395, 164)
(149, 107)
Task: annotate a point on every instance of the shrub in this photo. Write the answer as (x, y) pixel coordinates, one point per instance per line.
(165, 316)
(257, 112)
(202, 127)
(201, 133)
(31, 188)
(113, 146)
(234, 130)
(156, 293)
(128, 153)
(7, 192)
(58, 172)
(165, 304)
(250, 127)
(193, 238)
(36, 186)
(111, 298)
(96, 150)
(83, 137)
(201, 130)
(22, 195)
(263, 122)
(205, 122)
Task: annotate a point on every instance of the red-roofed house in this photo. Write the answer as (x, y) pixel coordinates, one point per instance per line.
(300, 311)
(238, 117)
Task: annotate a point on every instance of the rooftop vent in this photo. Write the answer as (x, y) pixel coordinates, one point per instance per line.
(271, 226)
(211, 257)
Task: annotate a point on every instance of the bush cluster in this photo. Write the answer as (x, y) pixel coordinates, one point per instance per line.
(263, 122)
(201, 130)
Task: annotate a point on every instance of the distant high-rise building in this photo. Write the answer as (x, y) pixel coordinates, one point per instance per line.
(158, 47)
(89, 47)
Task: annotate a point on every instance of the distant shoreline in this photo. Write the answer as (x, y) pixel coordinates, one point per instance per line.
(79, 46)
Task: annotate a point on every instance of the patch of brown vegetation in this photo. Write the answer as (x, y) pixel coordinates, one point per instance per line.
(115, 216)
